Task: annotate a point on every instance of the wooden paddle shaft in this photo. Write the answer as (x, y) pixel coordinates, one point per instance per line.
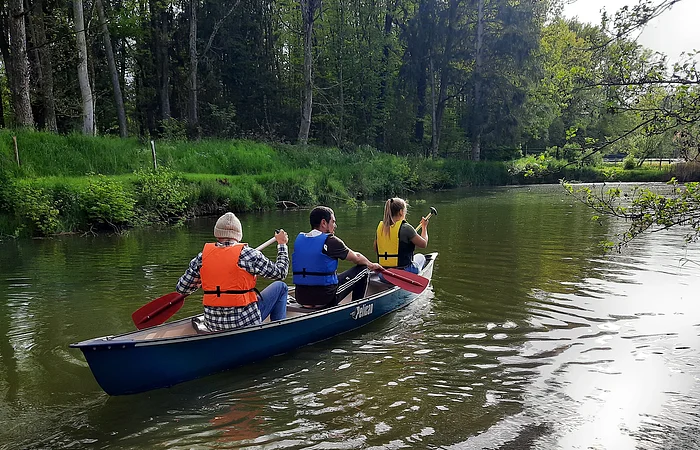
(267, 242)
(420, 225)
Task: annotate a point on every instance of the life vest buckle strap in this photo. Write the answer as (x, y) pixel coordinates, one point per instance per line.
(386, 255)
(304, 273)
(218, 291)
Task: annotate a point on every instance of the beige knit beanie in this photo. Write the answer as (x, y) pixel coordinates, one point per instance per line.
(228, 227)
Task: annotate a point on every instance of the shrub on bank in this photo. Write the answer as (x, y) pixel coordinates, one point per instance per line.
(107, 202)
(33, 208)
(160, 195)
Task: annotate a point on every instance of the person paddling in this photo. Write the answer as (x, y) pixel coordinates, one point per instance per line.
(315, 261)
(396, 239)
(227, 271)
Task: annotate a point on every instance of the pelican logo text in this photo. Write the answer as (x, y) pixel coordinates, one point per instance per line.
(362, 311)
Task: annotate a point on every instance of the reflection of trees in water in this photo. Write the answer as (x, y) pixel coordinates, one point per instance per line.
(7, 357)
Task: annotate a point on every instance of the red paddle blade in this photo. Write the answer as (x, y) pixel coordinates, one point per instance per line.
(406, 280)
(158, 311)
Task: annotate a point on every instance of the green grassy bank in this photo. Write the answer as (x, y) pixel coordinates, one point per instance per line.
(77, 183)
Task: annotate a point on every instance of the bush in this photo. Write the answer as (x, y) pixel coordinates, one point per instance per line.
(629, 163)
(296, 186)
(162, 194)
(173, 129)
(107, 201)
(35, 205)
(536, 167)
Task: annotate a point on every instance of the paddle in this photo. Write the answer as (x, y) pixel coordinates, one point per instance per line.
(163, 308)
(432, 211)
(405, 280)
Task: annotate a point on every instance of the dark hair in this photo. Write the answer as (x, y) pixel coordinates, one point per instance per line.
(318, 214)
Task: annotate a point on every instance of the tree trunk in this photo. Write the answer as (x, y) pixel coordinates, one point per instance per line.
(341, 78)
(308, 10)
(35, 69)
(478, 69)
(83, 79)
(118, 100)
(164, 63)
(436, 137)
(5, 52)
(194, 61)
(46, 66)
(5, 44)
(381, 103)
(421, 89)
(161, 42)
(444, 77)
(21, 103)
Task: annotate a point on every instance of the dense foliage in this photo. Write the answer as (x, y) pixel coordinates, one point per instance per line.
(484, 79)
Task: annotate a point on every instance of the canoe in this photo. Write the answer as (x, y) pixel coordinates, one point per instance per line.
(179, 351)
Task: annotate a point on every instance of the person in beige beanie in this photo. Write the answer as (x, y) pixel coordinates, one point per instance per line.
(227, 271)
(228, 227)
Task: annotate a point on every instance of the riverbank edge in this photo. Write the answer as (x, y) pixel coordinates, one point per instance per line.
(67, 184)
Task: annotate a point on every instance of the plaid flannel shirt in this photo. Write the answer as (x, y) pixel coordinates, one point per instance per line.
(252, 261)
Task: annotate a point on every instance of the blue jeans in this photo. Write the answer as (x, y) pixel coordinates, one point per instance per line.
(417, 265)
(273, 301)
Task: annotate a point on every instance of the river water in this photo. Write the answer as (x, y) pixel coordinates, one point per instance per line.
(530, 337)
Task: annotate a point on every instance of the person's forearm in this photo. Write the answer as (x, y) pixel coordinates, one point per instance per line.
(361, 260)
(282, 262)
(190, 280)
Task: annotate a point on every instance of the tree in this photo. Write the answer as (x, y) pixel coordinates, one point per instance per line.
(37, 21)
(194, 58)
(309, 9)
(19, 66)
(118, 100)
(83, 79)
(666, 102)
(193, 116)
(636, 81)
(160, 19)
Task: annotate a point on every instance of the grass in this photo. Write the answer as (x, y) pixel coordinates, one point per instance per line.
(212, 176)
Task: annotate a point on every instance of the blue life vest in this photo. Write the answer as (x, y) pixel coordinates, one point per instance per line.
(310, 267)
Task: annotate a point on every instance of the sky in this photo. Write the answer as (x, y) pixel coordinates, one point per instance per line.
(675, 31)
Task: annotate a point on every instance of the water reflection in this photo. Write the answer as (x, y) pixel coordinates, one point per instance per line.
(530, 338)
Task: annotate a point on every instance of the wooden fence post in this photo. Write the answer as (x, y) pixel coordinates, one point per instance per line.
(153, 152)
(14, 139)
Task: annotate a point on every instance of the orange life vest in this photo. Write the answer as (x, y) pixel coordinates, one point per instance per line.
(224, 283)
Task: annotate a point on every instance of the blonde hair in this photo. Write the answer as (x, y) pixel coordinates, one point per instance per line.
(392, 207)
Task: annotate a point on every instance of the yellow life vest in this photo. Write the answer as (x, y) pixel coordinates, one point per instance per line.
(390, 251)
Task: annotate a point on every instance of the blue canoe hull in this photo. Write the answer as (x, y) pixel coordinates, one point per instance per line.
(130, 363)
